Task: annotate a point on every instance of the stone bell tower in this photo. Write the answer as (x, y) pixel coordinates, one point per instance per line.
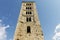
(28, 26)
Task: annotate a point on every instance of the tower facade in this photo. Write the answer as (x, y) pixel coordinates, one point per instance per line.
(28, 25)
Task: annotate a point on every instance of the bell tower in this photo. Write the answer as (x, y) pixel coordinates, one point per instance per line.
(28, 25)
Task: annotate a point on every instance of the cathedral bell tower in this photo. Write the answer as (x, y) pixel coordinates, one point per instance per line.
(28, 25)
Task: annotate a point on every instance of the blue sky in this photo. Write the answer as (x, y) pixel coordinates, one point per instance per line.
(48, 12)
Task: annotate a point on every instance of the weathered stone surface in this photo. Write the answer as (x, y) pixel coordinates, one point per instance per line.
(35, 27)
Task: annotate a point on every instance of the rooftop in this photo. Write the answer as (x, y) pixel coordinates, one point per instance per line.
(28, 1)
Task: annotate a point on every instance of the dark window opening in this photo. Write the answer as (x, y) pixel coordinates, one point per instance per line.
(42, 34)
(28, 19)
(28, 4)
(28, 29)
(28, 12)
(17, 39)
(28, 8)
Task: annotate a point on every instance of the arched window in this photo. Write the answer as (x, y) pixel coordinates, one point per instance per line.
(28, 8)
(28, 19)
(28, 4)
(29, 12)
(28, 29)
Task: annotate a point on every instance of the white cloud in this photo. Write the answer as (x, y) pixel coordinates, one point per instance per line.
(57, 33)
(0, 20)
(3, 32)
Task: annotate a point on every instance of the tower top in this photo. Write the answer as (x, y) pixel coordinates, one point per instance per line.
(28, 1)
